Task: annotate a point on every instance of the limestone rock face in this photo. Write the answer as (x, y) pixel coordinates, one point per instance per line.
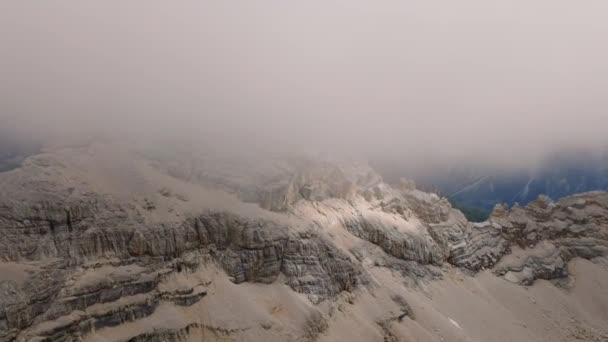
(482, 245)
(257, 251)
(150, 253)
(313, 181)
(576, 226)
(418, 247)
(248, 250)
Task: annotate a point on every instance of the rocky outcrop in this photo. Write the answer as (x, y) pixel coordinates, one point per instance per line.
(258, 251)
(576, 226)
(248, 250)
(64, 301)
(481, 247)
(314, 181)
(88, 261)
(421, 248)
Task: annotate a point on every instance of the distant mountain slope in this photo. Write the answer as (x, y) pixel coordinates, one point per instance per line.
(13, 152)
(478, 190)
(555, 181)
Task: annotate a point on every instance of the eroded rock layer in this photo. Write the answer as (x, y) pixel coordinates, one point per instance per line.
(136, 249)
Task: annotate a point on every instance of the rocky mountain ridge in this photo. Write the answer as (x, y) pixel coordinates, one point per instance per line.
(97, 247)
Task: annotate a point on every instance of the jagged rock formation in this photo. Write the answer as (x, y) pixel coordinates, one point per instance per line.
(576, 226)
(136, 249)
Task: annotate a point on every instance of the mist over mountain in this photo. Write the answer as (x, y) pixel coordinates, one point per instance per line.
(306, 171)
(421, 82)
(471, 186)
(14, 149)
(556, 179)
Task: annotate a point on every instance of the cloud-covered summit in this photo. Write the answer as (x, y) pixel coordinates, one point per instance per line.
(498, 82)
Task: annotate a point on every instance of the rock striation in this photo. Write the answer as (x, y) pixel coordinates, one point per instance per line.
(78, 262)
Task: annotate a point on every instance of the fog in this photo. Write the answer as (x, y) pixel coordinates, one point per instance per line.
(419, 81)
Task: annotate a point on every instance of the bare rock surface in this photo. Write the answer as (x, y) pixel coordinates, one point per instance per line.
(117, 243)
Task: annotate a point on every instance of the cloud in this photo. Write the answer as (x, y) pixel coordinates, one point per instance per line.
(495, 81)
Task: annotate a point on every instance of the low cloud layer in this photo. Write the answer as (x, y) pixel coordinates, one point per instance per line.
(497, 81)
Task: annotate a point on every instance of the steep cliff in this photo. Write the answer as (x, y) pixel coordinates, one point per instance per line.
(105, 243)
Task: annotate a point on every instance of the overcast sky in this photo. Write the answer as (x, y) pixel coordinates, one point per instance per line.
(479, 79)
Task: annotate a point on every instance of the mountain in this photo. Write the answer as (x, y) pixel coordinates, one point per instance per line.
(114, 242)
(556, 179)
(13, 152)
(476, 190)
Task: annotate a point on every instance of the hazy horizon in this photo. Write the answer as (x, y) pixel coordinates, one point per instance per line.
(427, 83)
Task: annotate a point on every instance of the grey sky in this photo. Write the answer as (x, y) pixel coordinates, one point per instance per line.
(481, 79)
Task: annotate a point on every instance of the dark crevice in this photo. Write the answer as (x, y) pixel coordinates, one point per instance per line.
(197, 228)
(68, 219)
